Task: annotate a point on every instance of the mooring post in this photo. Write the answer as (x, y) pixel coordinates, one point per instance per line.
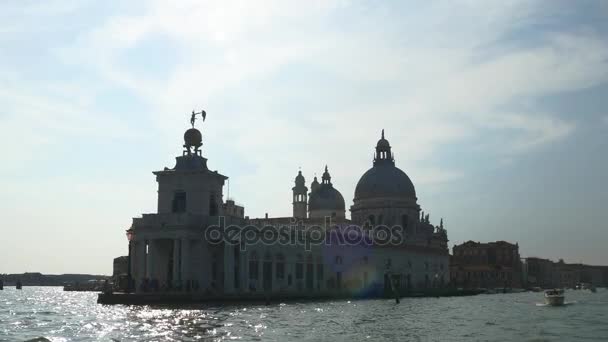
(395, 293)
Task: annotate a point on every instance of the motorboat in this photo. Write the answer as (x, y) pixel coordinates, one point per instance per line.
(554, 297)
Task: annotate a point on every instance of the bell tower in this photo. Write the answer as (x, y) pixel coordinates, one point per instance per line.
(300, 194)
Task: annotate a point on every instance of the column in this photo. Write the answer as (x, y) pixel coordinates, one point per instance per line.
(185, 261)
(228, 262)
(150, 259)
(243, 270)
(314, 274)
(176, 263)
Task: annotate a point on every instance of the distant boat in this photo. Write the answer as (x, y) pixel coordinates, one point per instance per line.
(554, 297)
(18, 285)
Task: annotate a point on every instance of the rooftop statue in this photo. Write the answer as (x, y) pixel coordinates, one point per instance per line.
(193, 137)
(194, 114)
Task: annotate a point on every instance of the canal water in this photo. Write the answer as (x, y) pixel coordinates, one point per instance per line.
(48, 313)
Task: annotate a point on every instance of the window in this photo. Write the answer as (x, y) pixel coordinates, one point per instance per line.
(299, 267)
(179, 202)
(365, 260)
(338, 260)
(404, 220)
(212, 205)
(214, 266)
(319, 272)
(237, 282)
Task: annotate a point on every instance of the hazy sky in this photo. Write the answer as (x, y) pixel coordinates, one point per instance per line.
(497, 110)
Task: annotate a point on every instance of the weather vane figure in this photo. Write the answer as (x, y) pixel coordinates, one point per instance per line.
(194, 114)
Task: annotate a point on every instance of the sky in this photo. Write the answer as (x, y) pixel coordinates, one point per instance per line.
(497, 111)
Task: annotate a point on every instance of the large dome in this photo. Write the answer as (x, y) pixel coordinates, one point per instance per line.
(384, 180)
(326, 198)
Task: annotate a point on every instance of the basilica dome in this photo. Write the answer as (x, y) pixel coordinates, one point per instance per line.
(324, 196)
(384, 179)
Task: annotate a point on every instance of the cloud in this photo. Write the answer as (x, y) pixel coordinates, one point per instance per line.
(430, 82)
(289, 85)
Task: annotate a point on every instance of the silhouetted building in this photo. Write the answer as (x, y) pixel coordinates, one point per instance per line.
(486, 265)
(545, 273)
(171, 251)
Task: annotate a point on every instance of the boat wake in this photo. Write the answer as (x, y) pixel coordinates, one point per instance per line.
(565, 304)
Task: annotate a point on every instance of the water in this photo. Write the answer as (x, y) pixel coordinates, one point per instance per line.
(50, 313)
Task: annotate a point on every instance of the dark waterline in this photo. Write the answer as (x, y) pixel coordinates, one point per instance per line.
(74, 316)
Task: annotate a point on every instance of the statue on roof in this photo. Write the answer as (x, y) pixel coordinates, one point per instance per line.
(202, 113)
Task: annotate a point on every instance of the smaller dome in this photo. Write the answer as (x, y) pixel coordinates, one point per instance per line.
(193, 137)
(383, 143)
(326, 198)
(300, 178)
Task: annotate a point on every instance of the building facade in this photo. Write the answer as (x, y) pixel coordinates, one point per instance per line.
(486, 265)
(174, 250)
(545, 273)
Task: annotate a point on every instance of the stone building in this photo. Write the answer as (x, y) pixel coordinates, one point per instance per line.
(486, 265)
(538, 272)
(173, 249)
(546, 273)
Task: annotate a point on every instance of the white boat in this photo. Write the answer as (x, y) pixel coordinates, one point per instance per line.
(554, 297)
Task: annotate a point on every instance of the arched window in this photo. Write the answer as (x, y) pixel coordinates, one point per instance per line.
(253, 265)
(280, 266)
(179, 202)
(299, 267)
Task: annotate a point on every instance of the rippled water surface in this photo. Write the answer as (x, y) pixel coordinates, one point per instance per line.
(50, 313)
